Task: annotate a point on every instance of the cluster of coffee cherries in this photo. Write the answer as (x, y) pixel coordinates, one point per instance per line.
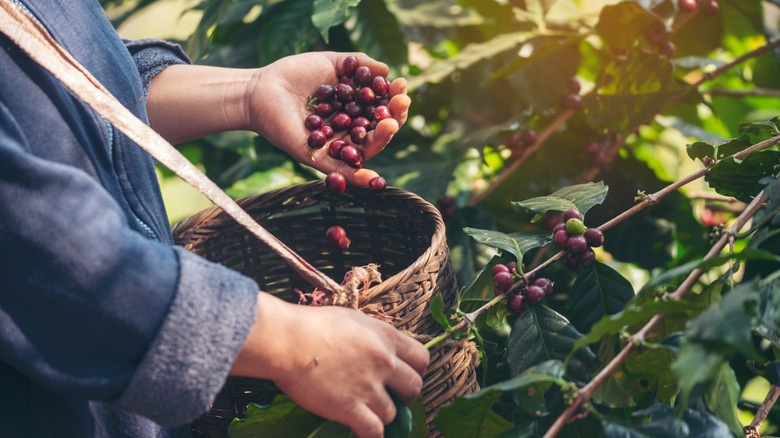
(578, 240)
(527, 295)
(355, 105)
(656, 36)
(518, 142)
(571, 99)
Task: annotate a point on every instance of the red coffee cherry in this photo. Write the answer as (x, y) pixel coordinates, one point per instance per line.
(377, 184)
(340, 121)
(366, 96)
(325, 93)
(573, 85)
(336, 236)
(349, 65)
(352, 156)
(570, 101)
(573, 213)
(358, 134)
(313, 122)
(328, 131)
(335, 183)
(363, 75)
(515, 304)
(561, 238)
(317, 139)
(595, 237)
(534, 294)
(545, 284)
(499, 268)
(382, 112)
(380, 85)
(502, 281)
(334, 148)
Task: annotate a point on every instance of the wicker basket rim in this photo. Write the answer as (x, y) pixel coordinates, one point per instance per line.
(387, 284)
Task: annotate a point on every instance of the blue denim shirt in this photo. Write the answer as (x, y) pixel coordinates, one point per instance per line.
(106, 329)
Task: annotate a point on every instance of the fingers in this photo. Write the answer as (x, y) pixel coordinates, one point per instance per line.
(413, 353)
(405, 382)
(380, 137)
(365, 422)
(376, 67)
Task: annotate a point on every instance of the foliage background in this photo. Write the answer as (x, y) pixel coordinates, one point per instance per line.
(480, 70)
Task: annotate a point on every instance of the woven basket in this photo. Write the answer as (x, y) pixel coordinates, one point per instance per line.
(395, 229)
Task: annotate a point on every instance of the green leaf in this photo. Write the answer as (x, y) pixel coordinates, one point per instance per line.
(286, 30)
(541, 334)
(516, 244)
(632, 92)
(401, 427)
(471, 418)
(622, 24)
(768, 322)
(634, 315)
(213, 12)
(696, 365)
(376, 32)
(619, 389)
(723, 396)
(470, 55)
(718, 150)
(663, 422)
(741, 179)
(582, 197)
(283, 418)
(598, 291)
(760, 131)
(437, 311)
(330, 13)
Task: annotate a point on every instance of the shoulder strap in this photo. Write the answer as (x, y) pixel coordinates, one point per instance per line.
(33, 39)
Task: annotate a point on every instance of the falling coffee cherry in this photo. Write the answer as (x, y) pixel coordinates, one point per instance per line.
(336, 236)
(335, 183)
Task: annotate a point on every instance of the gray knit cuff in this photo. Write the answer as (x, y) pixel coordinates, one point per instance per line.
(188, 361)
(153, 56)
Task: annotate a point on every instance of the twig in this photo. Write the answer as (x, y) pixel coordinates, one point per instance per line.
(544, 135)
(755, 426)
(584, 394)
(771, 44)
(742, 93)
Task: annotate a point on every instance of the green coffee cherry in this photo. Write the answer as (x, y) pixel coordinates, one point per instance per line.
(575, 226)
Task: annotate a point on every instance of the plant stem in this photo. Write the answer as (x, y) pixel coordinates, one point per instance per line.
(742, 93)
(544, 135)
(755, 426)
(584, 394)
(771, 44)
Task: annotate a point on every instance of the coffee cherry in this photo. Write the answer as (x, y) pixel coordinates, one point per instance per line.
(353, 109)
(513, 142)
(352, 156)
(338, 106)
(575, 226)
(334, 148)
(512, 266)
(345, 92)
(336, 236)
(667, 49)
(372, 126)
(570, 101)
(595, 237)
(587, 258)
(313, 122)
(366, 96)
(340, 121)
(573, 85)
(377, 184)
(529, 137)
(380, 85)
(686, 5)
(502, 281)
(359, 121)
(328, 131)
(710, 8)
(358, 134)
(561, 238)
(324, 93)
(349, 65)
(363, 75)
(335, 183)
(534, 294)
(324, 110)
(316, 140)
(656, 33)
(347, 80)
(571, 261)
(545, 284)
(499, 268)
(560, 226)
(383, 101)
(368, 111)
(577, 244)
(515, 304)
(591, 148)
(572, 213)
(382, 112)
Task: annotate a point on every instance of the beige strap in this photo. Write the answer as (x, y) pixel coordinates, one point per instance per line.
(41, 47)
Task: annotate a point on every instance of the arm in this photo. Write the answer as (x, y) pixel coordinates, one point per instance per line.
(187, 102)
(333, 361)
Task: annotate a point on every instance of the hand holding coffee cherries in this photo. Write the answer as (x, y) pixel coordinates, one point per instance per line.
(280, 109)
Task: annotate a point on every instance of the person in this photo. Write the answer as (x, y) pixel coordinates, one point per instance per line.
(106, 328)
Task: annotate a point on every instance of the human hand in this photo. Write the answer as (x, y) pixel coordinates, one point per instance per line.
(278, 95)
(334, 362)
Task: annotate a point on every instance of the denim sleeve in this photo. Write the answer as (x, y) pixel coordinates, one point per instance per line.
(91, 309)
(153, 56)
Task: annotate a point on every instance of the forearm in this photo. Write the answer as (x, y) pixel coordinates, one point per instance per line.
(187, 102)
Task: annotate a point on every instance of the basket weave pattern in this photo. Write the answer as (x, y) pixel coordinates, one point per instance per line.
(395, 229)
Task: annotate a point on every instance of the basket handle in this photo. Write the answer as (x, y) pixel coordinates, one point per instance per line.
(33, 39)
